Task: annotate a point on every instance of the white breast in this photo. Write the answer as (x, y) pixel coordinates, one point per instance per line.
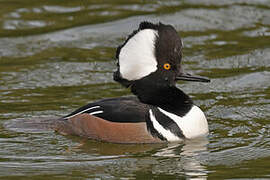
(193, 124)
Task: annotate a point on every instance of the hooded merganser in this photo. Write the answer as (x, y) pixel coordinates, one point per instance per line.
(149, 62)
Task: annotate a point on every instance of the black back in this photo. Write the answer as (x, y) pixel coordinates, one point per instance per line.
(122, 109)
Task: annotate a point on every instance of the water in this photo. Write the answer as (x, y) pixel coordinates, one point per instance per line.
(56, 56)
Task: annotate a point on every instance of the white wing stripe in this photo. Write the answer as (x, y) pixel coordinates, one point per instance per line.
(84, 111)
(96, 112)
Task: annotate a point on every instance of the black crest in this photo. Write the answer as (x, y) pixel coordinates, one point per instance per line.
(168, 48)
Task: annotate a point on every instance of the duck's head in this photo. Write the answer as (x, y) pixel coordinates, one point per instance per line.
(152, 54)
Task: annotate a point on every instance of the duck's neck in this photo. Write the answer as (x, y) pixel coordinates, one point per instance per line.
(169, 98)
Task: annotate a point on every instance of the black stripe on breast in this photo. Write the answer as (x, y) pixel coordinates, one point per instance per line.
(167, 123)
(152, 130)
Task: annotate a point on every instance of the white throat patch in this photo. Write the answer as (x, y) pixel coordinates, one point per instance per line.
(137, 58)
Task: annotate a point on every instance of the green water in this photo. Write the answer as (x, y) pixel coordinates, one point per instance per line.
(56, 56)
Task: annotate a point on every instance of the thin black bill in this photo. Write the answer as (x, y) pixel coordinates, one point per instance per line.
(189, 77)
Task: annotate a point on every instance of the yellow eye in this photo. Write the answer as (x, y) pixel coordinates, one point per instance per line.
(167, 66)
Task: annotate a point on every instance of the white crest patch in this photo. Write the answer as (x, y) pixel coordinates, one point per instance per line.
(193, 124)
(164, 132)
(137, 58)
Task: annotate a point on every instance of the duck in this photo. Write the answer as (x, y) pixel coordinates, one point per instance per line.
(148, 62)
